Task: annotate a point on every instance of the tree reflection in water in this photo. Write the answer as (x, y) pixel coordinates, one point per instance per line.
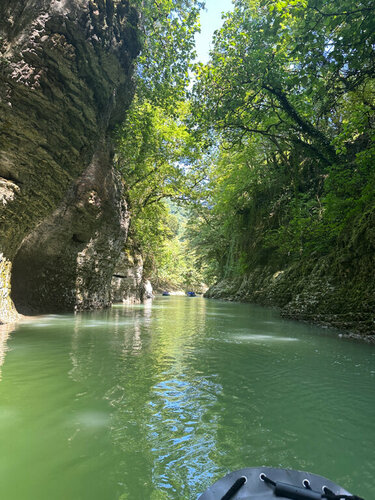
(144, 364)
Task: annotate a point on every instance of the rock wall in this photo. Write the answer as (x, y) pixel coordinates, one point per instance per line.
(65, 81)
(336, 290)
(129, 284)
(316, 296)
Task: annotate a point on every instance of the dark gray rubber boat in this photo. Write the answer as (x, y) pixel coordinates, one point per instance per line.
(267, 483)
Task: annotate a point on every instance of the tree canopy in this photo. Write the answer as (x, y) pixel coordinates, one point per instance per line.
(273, 149)
(288, 98)
(168, 49)
(156, 154)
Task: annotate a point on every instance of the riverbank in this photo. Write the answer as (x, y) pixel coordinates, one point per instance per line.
(316, 292)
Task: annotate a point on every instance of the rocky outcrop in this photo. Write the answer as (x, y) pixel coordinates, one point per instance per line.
(66, 80)
(67, 261)
(129, 284)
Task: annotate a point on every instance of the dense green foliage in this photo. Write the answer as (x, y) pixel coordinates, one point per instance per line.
(170, 260)
(155, 151)
(288, 100)
(168, 28)
(274, 152)
(155, 154)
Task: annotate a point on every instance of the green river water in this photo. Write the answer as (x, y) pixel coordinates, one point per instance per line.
(158, 401)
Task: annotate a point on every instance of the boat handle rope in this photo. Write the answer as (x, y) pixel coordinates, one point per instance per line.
(234, 488)
(297, 493)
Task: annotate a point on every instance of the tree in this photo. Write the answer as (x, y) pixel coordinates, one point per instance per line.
(155, 151)
(168, 29)
(288, 96)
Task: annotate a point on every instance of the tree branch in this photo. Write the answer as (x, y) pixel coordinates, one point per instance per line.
(345, 13)
(304, 124)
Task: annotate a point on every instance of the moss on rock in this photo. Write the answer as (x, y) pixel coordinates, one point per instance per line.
(65, 81)
(336, 290)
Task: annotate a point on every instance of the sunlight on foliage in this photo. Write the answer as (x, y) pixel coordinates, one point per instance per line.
(289, 96)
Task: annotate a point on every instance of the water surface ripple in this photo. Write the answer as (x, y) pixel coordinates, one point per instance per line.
(158, 401)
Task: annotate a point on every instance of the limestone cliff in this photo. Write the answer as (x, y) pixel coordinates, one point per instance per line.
(129, 283)
(65, 81)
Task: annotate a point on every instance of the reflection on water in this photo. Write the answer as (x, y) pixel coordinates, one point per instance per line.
(157, 401)
(158, 409)
(5, 331)
(259, 338)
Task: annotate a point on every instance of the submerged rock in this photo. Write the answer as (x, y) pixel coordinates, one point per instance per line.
(65, 81)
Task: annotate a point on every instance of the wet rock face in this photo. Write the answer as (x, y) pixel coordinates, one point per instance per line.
(65, 81)
(128, 282)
